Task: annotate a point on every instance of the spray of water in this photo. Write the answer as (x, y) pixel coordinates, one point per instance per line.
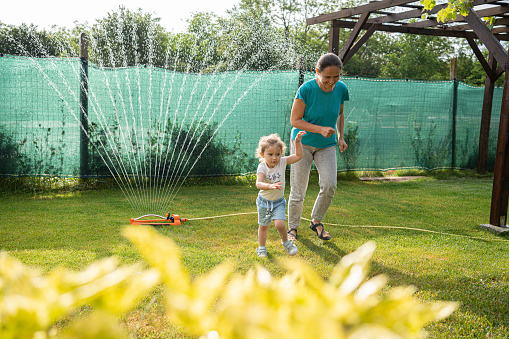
(154, 123)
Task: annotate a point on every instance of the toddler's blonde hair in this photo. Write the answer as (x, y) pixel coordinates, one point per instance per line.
(267, 141)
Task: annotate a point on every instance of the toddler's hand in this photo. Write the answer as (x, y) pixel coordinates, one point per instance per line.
(299, 135)
(277, 186)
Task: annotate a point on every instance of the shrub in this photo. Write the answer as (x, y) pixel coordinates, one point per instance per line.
(255, 305)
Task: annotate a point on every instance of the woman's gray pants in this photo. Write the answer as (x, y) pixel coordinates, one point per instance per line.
(326, 164)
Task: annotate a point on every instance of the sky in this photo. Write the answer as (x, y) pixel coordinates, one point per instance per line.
(63, 13)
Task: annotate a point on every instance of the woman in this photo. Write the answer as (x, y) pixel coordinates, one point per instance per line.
(318, 110)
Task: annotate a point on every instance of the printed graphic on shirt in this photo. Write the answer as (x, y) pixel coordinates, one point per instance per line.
(273, 176)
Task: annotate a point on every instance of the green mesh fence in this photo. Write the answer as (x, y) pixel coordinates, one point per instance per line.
(38, 132)
(149, 122)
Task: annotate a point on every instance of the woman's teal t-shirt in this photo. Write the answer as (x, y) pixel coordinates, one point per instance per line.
(322, 109)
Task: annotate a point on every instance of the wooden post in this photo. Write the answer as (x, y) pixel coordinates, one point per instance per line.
(301, 66)
(487, 104)
(84, 168)
(334, 37)
(453, 72)
(500, 193)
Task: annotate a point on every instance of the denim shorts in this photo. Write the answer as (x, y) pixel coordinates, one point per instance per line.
(269, 210)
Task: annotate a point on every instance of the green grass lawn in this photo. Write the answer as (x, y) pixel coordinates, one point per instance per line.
(457, 261)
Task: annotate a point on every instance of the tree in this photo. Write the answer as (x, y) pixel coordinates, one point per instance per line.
(310, 41)
(286, 13)
(203, 38)
(250, 41)
(27, 40)
(418, 57)
(127, 38)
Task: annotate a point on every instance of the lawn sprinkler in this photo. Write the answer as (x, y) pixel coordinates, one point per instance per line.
(170, 220)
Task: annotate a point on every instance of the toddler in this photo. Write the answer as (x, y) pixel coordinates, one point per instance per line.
(270, 180)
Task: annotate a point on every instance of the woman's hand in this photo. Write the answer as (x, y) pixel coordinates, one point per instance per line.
(327, 131)
(342, 145)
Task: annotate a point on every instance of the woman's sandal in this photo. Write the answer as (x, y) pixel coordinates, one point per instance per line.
(291, 234)
(320, 235)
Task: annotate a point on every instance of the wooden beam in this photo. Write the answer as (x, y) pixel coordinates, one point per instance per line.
(482, 13)
(502, 37)
(379, 5)
(353, 35)
(334, 37)
(487, 104)
(420, 31)
(492, 11)
(501, 21)
(487, 68)
(348, 12)
(359, 43)
(422, 24)
(458, 28)
(418, 13)
(406, 15)
(499, 72)
(412, 6)
(498, 30)
(382, 12)
(409, 30)
(499, 195)
(488, 39)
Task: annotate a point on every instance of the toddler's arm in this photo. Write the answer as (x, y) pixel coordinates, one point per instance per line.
(260, 177)
(298, 149)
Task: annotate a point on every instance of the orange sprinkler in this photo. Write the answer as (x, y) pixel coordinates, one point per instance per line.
(170, 220)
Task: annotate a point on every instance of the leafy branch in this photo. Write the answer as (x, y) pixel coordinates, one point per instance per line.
(255, 305)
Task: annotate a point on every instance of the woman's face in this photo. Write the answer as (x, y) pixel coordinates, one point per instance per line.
(327, 78)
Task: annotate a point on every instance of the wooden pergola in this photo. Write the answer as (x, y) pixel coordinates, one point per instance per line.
(405, 16)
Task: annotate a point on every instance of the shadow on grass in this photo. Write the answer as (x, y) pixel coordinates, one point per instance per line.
(329, 251)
